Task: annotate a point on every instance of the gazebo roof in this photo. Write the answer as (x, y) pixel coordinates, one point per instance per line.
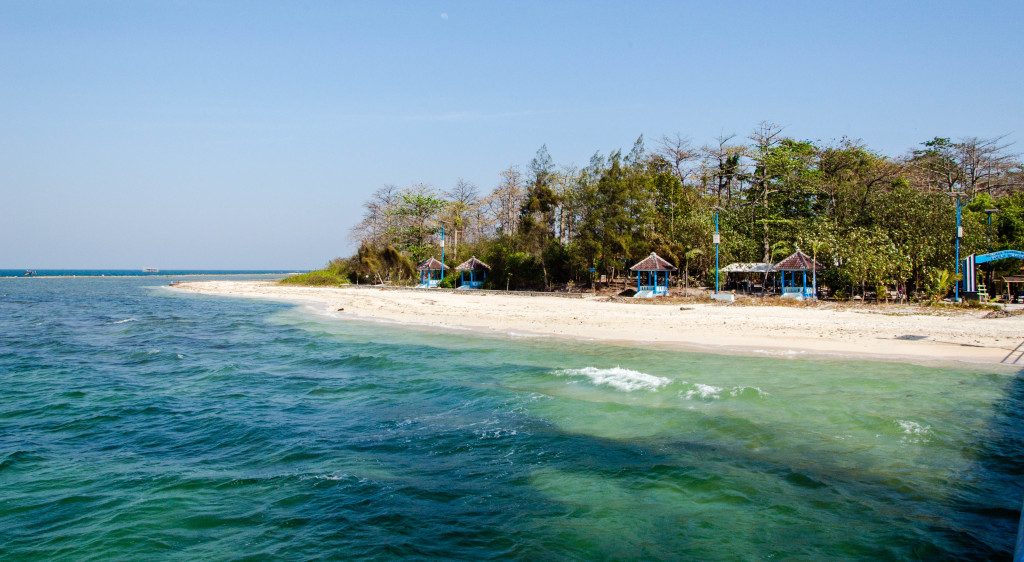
(431, 265)
(472, 264)
(653, 262)
(799, 261)
(756, 267)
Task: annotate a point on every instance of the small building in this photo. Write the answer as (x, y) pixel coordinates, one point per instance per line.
(477, 273)
(652, 276)
(747, 277)
(427, 269)
(798, 263)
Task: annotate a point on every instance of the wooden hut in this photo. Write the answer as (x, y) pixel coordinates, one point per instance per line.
(652, 276)
(475, 267)
(800, 263)
(427, 269)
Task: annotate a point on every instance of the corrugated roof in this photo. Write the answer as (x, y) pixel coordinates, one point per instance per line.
(799, 261)
(653, 262)
(431, 264)
(755, 267)
(472, 264)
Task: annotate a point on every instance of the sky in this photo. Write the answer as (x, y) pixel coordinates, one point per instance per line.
(248, 134)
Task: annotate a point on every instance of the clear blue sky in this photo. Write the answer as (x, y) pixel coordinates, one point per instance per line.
(185, 134)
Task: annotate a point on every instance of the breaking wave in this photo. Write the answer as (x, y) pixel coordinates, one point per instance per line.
(626, 380)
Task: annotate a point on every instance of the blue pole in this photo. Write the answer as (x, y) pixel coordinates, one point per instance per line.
(956, 287)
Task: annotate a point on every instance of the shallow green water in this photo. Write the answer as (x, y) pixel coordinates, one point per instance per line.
(138, 422)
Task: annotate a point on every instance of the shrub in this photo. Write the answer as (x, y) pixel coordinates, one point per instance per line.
(336, 273)
(318, 278)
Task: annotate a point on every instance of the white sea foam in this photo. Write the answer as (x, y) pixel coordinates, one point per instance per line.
(626, 380)
(913, 428)
(916, 433)
(125, 320)
(783, 352)
(704, 391)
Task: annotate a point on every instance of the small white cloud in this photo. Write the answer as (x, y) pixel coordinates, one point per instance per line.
(444, 16)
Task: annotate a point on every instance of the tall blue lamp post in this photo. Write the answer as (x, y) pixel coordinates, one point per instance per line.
(959, 235)
(717, 240)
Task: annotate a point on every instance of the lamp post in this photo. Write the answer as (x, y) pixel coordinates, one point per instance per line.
(959, 235)
(717, 240)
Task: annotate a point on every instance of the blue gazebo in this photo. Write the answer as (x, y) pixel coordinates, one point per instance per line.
(473, 266)
(801, 263)
(655, 282)
(427, 269)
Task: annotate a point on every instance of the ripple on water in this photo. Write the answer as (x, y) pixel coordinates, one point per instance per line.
(141, 423)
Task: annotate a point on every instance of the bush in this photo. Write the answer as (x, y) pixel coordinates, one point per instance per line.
(336, 273)
(450, 282)
(318, 278)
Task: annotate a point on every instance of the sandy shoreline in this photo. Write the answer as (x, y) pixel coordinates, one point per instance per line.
(883, 333)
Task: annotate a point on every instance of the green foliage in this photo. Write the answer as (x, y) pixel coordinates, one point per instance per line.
(378, 265)
(875, 222)
(335, 274)
(450, 281)
(939, 283)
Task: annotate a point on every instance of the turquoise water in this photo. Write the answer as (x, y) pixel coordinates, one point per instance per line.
(135, 421)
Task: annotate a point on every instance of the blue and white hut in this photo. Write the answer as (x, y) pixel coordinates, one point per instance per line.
(798, 263)
(477, 273)
(652, 276)
(427, 269)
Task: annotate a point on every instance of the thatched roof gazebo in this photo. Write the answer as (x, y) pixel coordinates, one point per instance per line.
(652, 265)
(474, 267)
(427, 269)
(802, 263)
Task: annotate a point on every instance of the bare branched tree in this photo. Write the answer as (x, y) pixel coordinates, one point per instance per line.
(766, 137)
(508, 199)
(463, 199)
(378, 217)
(723, 166)
(678, 152)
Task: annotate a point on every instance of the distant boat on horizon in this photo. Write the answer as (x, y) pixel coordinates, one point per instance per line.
(150, 270)
(30, 272)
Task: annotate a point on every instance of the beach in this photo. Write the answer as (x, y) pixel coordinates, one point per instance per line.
(889, 332)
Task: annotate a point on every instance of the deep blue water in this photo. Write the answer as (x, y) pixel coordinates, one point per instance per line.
(136, 422)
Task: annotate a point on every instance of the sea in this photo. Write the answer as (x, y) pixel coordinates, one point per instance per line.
(137, 421)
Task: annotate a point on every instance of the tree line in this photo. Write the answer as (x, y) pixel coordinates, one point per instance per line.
(873, 220)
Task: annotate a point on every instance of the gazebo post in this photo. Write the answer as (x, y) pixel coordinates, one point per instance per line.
(805, 283)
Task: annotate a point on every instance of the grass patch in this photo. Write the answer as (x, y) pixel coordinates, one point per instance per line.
(318, 278)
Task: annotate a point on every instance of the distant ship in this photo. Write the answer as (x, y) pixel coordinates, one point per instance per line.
(30, 272)
(150, 270)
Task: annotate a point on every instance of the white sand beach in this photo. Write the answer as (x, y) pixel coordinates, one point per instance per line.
(903, 332)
